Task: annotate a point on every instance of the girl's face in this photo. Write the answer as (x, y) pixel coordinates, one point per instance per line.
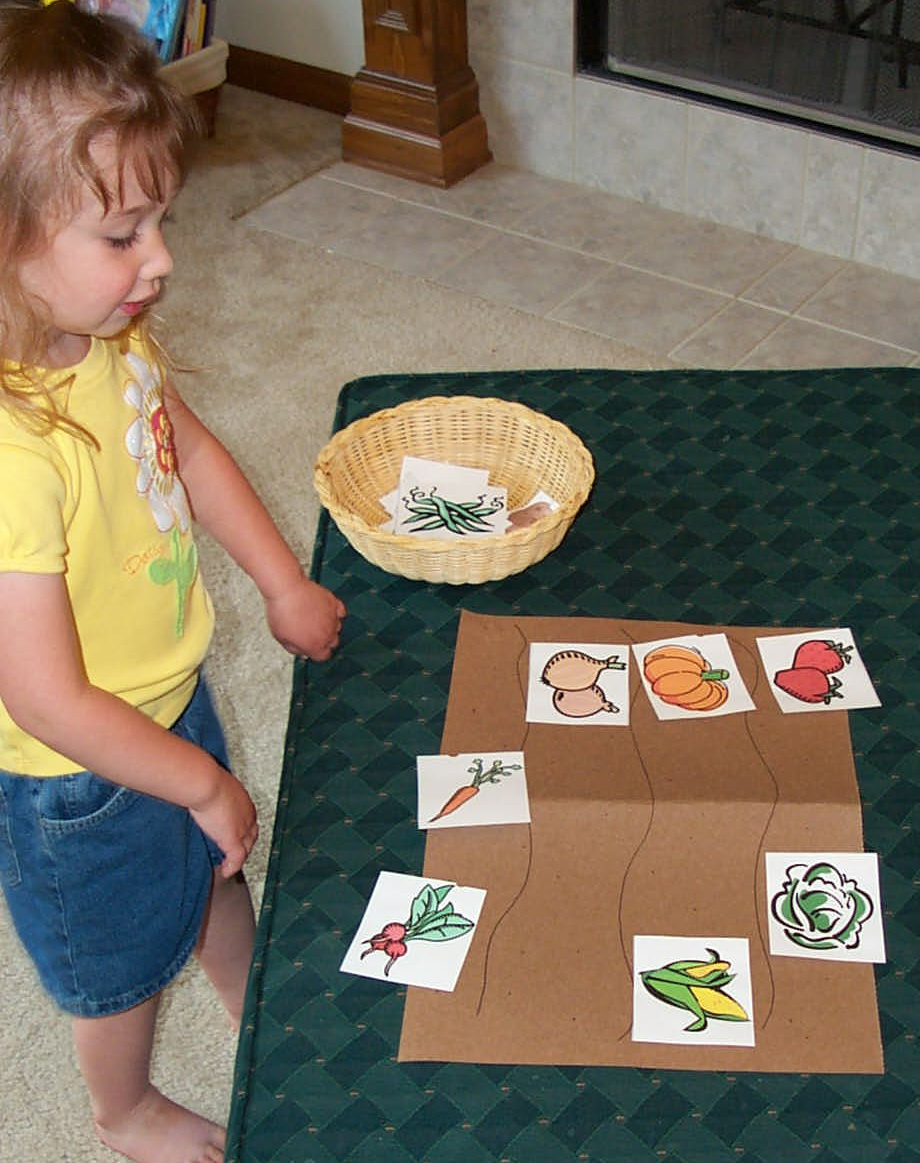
(100, 269)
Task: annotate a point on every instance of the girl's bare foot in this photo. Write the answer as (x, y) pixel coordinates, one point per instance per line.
(158, 1130)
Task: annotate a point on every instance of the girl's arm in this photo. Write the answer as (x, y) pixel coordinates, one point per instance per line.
(306, 618)
(45, 689)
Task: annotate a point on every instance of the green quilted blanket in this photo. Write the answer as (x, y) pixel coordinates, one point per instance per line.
(744, 498)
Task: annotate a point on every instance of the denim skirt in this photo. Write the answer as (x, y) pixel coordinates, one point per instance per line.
(106, 887)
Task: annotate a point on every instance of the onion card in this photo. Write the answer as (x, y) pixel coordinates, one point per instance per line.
(578, 684)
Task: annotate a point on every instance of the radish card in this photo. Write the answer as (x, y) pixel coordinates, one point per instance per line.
(415, 931)
(692, 677)
(692, 991)
(457, 791)
(825, 905)
(578, 684)
(819, 670)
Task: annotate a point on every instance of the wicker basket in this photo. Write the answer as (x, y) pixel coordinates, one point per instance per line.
(522, 450)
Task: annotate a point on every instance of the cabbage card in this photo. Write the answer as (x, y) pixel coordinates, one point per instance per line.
(692, 991)
(825, 905)
(692, 677)
(415, 931)
(819, 670)
(578, 684)
(485, 787)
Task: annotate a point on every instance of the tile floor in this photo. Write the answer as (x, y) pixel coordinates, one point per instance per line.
(687, 292)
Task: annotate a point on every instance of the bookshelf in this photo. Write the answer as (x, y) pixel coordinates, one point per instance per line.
(200, 75)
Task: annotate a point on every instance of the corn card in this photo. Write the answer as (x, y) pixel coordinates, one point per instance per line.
(692, 991)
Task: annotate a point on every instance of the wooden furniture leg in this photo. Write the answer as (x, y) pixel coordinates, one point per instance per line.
(415, 103)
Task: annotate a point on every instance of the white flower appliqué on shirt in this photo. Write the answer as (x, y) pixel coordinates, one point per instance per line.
(149, 440)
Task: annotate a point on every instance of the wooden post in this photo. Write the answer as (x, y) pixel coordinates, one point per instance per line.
(415, 103)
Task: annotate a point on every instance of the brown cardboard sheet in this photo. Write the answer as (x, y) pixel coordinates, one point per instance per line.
(656, 828)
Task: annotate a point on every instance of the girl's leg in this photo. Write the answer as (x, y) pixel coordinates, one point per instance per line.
(226, 942)
(131, 1115)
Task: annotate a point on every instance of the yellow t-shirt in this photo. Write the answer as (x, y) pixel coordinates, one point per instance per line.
(115, 521)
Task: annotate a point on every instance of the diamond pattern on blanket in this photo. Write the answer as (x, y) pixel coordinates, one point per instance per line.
(750, 498)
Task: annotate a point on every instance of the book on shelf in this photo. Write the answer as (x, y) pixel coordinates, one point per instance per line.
(193, 33)
(176, 27)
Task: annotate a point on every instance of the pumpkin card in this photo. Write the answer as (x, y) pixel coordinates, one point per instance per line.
(819, 670)
(578, 683)
(460, 791)
(692, 677)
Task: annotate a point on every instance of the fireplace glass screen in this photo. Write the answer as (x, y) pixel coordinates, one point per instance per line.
(849, 64)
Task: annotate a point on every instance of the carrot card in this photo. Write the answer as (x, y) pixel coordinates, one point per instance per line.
(457, 791)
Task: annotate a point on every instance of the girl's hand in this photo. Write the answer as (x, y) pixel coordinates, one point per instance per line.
(306, 619)
(228, 816)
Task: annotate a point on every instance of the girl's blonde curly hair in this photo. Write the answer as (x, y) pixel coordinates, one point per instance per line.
(67, 79)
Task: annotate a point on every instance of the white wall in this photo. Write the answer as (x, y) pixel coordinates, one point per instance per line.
(328, 34)
(839, 197)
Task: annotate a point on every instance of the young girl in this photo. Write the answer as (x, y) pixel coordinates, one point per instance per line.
(122, 832)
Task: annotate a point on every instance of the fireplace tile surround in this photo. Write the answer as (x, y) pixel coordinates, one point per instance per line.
(796, 185)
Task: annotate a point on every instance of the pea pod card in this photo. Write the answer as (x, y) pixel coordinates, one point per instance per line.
(447, 501)
(825, 905)
(578, 684)
(692, 991)
(818, 670)
(692, 677)
(415, 930)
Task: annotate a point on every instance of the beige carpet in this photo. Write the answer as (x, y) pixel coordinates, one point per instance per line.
(276, 328)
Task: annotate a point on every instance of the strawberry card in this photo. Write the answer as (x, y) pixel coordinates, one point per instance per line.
(818, 670)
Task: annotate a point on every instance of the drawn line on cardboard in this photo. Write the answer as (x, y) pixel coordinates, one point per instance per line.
(761, 922)
(522, 691)
(508, 908)
(624, 947)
